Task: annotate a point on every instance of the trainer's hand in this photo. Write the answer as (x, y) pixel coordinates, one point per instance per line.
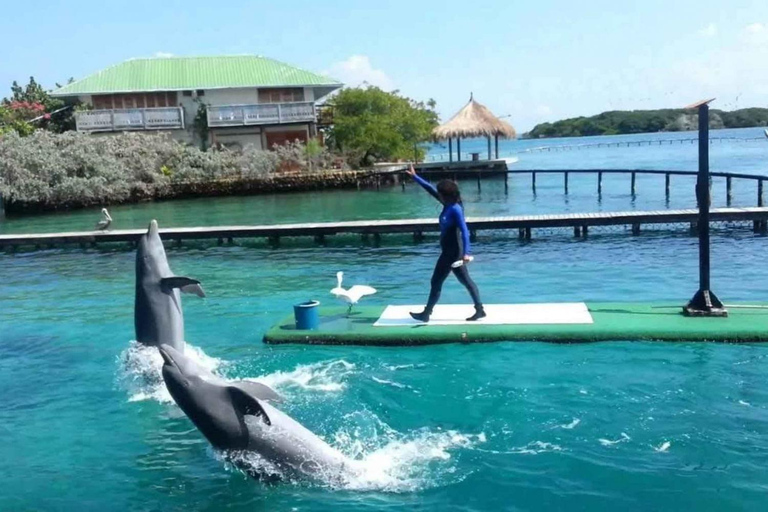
(467, 258)
(411, 171)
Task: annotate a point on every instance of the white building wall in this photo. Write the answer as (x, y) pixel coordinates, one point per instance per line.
(242, 96)
(236, 96)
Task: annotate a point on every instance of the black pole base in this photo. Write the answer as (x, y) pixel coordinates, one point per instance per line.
(705, 303)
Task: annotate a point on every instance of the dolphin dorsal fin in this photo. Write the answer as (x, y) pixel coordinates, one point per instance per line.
(247, 405)
(185, 284)
(258, 390)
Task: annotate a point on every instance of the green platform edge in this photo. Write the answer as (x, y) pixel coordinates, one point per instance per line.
(612, 322)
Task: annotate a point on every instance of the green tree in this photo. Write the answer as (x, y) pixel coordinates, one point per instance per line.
(14, 120)
(648, 121)
(371, 125)
(35, 101)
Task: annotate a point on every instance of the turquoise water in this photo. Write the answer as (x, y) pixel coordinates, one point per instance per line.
(741, 157)
(503, 426)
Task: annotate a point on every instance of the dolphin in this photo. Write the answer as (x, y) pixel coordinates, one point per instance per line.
(236, 418)
(157, 309)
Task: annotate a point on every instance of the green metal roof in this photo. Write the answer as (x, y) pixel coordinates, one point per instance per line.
(186, 73)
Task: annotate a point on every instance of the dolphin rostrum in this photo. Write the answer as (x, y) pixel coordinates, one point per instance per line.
(157, 310)
(233, 417)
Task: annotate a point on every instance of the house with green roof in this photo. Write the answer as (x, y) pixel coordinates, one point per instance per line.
(244, 99)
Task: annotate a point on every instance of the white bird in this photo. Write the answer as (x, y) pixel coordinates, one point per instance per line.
(105, 221)
(353, 295)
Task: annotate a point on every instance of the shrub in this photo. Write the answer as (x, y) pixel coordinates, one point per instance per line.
(76, 169)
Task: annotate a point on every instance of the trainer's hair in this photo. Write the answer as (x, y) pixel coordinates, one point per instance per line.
(449, 191)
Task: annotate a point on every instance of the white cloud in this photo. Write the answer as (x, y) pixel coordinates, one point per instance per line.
(163, 55)
(709, 31)
(544, 110)
(755, 34)
(357, 70)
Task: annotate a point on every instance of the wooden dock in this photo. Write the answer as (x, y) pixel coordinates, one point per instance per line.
(525, 224)
(454, 170)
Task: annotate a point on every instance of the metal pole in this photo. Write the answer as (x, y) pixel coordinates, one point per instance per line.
(702, 195)
(704, 302)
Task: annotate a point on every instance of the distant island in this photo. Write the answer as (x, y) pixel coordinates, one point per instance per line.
(618, 122)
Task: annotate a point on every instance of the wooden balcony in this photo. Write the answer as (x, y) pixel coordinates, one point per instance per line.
(265, 113)
(165, 118)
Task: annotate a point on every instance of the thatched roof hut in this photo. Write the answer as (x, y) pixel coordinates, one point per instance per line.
(474, 120)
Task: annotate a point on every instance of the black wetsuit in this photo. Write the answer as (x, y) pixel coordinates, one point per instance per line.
(454, 245)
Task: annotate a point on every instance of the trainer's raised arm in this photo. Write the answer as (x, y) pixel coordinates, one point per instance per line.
(424, 183)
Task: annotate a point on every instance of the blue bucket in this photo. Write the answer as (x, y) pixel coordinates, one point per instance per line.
(307, 315)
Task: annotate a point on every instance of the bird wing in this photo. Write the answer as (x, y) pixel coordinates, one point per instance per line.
(360, 290)
(341, 294)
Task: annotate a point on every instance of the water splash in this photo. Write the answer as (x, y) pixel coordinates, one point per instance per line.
(571, 425)
(141, 366)
(607, 442)
(387, 461)
(327, 376)
(389, 383)
(537, 447)
(412, 462)
(663, 447)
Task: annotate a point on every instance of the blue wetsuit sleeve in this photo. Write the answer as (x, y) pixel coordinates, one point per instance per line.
(427, 186)
(461, 223)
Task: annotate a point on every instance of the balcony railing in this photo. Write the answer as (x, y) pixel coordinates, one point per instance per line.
(266, 113)
(166, 118)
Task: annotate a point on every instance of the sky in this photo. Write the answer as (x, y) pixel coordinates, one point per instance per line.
(533, 61)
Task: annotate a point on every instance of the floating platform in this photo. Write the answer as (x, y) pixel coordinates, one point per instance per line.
(559, 323)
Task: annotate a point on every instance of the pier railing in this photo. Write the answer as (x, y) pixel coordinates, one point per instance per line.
(479, 174)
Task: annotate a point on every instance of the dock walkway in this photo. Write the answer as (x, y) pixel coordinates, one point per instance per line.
(523, 223)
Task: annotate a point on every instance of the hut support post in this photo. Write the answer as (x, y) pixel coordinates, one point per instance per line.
(489, 148)
(458, 149)
(496, 139)
(450, 149)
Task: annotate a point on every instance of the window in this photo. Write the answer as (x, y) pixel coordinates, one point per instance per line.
(200, 92)
(281, 95)
(187, 93)
(139, 100)
(103, 102)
